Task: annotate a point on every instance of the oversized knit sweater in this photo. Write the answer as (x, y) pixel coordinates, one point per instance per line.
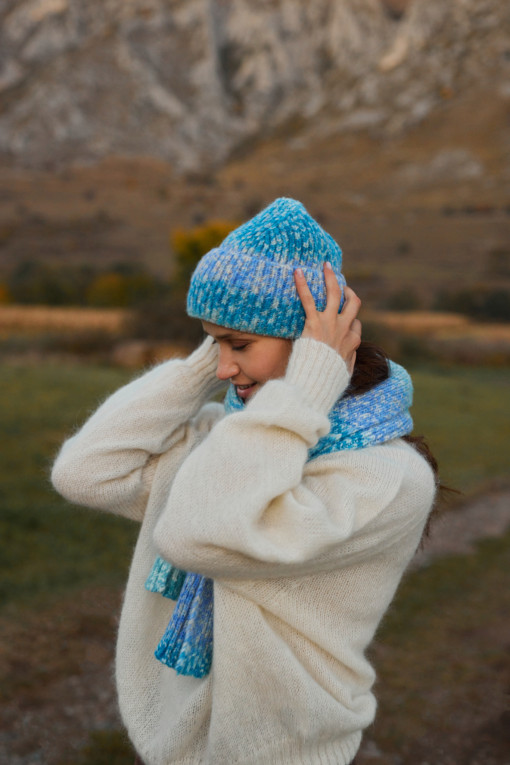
(305, 557)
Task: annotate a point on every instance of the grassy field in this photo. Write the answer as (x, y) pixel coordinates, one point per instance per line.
(443, 639)
(51, 546)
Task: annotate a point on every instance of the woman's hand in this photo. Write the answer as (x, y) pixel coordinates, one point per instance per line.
(341, 331)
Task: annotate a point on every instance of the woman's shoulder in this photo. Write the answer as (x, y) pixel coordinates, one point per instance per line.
(389, 471)
(396, 453)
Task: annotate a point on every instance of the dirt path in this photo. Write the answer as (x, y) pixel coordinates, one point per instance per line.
(56, 666)
(480, 517)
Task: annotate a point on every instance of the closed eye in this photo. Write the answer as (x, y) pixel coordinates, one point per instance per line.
(239, 347)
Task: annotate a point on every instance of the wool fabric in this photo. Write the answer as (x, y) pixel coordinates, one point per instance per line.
(305, 556)
(356, 422)
(247, 283)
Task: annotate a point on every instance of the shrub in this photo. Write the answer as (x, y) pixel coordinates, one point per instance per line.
(165, 318)
(404, 299)
(4, 294)
(476, 302)
(108, 289)
(190, 244)
(498, 262)
(37, 283)
(122, 285)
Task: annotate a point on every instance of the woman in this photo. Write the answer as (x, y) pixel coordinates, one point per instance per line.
(274, 527)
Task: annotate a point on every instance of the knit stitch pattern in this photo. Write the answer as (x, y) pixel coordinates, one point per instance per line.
(305, 557)
(356, 422)
(365, 420)
(247, 283)
(187, 643)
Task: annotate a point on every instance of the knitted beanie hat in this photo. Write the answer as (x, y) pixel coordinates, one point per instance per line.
(247, 283)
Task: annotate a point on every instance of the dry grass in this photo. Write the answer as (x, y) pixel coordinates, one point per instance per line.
(436, 324)
(35, 319)
(420, 322)
(444, 336)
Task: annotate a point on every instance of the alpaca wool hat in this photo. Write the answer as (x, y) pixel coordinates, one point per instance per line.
(247, 283)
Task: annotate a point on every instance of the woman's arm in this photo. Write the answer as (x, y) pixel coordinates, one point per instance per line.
(110, 462)
(240, 506)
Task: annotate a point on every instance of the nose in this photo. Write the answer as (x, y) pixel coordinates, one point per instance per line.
(227, 367)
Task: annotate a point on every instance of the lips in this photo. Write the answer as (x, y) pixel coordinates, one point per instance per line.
(244, 391)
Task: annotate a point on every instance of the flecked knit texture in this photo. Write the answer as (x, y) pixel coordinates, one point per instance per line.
(305, 556)
(356, 422)
(247, 283)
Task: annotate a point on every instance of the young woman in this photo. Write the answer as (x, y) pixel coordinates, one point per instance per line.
(275, 527)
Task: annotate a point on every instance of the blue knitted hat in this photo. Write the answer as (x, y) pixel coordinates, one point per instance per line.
(247, 283)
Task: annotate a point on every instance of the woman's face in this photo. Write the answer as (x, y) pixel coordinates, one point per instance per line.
(247, 360)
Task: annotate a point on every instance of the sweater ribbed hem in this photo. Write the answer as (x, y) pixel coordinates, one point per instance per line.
(318, 371)
(332, 753)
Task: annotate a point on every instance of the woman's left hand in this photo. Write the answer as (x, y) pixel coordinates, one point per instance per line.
(341, 331)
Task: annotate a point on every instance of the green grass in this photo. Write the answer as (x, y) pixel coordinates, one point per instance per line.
(445, 637)
(50, 546)
(463, 412)
(429, 640)
(435, 654)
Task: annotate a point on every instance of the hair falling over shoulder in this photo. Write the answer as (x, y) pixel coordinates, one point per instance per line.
(372, 368)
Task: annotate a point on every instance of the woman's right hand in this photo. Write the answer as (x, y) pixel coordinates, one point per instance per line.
(341, 331)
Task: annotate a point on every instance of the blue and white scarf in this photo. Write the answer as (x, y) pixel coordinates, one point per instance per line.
(356, 421)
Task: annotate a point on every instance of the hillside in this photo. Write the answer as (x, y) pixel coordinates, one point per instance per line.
(191, 81)
(425, 211)
(399, 145)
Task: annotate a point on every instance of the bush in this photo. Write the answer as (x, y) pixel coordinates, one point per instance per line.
(165, 319)
(404, 299)
(190, 244)
(477, 303)
(498, 262)
(41, 284)
(4, 294)
(122, 285)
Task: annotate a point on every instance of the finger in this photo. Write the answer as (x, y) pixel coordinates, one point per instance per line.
(333, 290)
(356, 327)
(304, 293)
(351, 305)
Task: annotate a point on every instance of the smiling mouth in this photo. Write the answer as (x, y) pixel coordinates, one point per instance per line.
(244, 390)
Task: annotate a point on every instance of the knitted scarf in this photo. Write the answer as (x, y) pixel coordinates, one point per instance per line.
(356, 421)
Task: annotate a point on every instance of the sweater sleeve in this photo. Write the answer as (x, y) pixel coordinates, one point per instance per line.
(110, 462)
(239, 506)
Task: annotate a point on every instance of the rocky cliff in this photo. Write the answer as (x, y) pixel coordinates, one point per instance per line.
(190, 81)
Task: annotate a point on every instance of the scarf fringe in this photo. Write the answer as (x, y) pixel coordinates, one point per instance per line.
(187, 643)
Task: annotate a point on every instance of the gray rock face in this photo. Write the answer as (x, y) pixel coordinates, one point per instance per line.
(192, 80)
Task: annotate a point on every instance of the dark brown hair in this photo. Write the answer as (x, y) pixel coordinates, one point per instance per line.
(372, 368)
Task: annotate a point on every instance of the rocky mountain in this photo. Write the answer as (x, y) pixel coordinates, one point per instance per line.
(192, 81)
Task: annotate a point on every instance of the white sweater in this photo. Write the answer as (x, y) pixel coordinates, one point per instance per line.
(305, 557)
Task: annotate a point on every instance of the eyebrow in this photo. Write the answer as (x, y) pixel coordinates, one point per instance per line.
(227, 336)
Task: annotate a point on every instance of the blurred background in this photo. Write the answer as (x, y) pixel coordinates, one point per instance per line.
(134, 134)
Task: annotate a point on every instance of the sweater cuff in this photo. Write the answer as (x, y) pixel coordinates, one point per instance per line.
(318, 371)
(204, 362)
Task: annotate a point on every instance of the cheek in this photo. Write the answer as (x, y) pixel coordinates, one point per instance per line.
(281, 358)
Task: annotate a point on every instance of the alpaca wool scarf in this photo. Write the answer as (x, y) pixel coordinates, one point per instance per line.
(356, 422)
